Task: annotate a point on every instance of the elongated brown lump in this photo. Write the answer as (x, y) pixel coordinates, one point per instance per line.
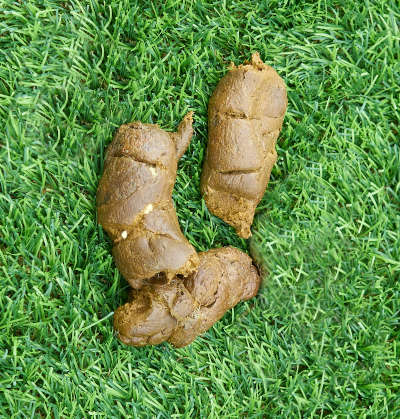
(179, 310)
(134, 202)
(245, 116)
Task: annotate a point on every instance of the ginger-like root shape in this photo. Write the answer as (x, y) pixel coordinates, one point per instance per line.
(179, 310)
(134, 202)
(245, 116)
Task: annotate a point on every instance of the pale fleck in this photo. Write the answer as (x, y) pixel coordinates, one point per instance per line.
(124, 234)
(153, 171)
(148, 209)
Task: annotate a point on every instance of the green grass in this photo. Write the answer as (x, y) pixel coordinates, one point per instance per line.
(322, 337)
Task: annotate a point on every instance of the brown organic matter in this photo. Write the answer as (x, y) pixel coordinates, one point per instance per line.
(245, 116)
(179, 310)
(134, 202)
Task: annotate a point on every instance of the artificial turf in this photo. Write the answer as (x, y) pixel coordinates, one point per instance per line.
(322, 337)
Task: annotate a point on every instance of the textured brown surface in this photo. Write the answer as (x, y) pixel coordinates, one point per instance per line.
(245, 116)
(180, 310)
(134, 202)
